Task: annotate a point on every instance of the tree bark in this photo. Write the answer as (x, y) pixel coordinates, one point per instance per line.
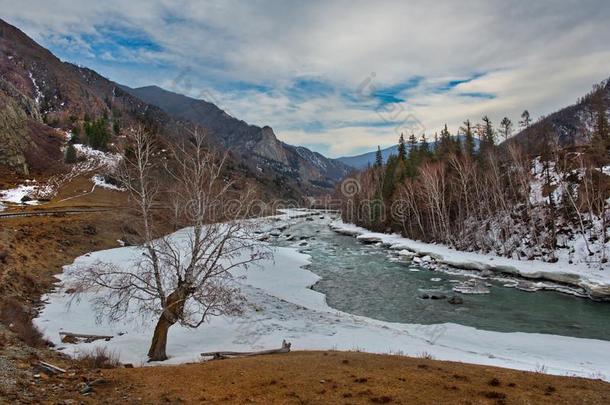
(174, 306)
(159, 340)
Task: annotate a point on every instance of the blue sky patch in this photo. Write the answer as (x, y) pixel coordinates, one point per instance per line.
(310, 87)
(392, 94)
(486, 96)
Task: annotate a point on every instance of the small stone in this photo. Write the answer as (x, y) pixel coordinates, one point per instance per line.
(99, 381)
(455, 300)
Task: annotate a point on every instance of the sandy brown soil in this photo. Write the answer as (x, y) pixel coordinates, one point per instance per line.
(342, 378)
(37, 247)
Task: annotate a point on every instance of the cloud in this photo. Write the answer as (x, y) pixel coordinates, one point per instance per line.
(339, 76)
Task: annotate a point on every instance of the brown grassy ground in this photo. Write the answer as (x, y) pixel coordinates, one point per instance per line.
(344, 378)
(32, 251)
(37, 247)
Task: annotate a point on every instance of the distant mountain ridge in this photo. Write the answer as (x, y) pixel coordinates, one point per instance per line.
(250, 142)
(364, 160)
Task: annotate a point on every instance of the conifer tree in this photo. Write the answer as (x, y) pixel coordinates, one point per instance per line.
(445, 146)
(413, 150)
(402, 148)
(97, 133)
(488, 135)
(469, 148)
(389, 180)
(526, 120)
(412, 158)
(70, 154)
(424, 147)
(378, 157)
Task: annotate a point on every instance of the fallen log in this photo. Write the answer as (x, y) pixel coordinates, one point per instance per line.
(50, 368)
(70, 337)
(226, 355)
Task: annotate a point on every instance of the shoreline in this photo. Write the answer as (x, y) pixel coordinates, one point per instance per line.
(577, 280)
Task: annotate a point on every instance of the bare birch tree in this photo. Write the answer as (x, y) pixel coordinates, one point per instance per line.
(185, 277)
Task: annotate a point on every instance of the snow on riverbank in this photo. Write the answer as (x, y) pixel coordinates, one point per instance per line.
(282, 306)
(594, 282)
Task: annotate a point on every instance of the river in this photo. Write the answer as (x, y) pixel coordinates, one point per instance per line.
(375, 282)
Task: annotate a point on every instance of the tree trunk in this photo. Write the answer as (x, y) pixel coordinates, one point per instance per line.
(159, 340)
(174, 306)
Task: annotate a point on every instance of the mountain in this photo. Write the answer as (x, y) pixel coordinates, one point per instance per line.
(42, 96)
(570, 126)
(368, 159)
(249, 142)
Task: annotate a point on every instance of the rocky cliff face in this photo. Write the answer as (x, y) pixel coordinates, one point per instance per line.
(25, 142)
(14, 137)
(269, 147)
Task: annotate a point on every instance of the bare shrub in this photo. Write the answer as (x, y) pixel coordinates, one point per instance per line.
(425, 355)
(541, 369)
(100, 357)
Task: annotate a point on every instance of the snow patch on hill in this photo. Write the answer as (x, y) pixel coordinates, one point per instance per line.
(102, 159)
(100, 181)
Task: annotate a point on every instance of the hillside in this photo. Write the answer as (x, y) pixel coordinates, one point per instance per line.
(40, 94)
(570, 126)
(250, 142)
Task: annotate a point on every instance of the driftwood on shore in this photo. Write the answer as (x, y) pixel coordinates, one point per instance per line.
(70, 337)
(50, 368)
(227, 355)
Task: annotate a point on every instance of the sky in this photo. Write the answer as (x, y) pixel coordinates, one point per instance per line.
(339, 77)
